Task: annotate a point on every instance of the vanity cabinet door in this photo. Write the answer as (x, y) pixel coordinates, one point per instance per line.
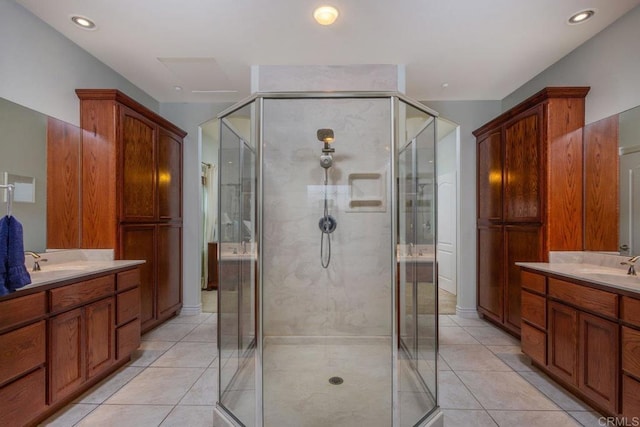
(100, 336)
(67, 370)
(562, 346)
(599, 340)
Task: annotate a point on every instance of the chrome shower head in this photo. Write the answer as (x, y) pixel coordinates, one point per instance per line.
(325, 135)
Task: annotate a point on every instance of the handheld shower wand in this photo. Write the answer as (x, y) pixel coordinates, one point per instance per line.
(327, 223)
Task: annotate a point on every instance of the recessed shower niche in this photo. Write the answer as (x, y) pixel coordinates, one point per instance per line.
(321, 320)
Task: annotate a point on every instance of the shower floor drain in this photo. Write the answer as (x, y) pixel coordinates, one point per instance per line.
(336, 380)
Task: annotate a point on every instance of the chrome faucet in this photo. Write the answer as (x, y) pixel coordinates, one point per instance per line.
(631, 262)
(36, 260)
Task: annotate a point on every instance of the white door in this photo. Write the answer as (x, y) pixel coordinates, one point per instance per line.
(630, 203)
(446, 244)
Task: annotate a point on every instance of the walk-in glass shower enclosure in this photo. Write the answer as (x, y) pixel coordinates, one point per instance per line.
(327, 308)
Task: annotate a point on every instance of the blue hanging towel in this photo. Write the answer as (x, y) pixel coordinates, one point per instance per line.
(4, 246)
(17, 274)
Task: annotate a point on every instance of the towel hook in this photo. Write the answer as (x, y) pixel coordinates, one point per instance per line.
(9, 188)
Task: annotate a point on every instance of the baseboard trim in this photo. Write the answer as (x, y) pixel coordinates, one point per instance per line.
(191, 310)
(467, 313)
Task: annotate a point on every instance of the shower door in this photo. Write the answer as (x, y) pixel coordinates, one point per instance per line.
(417, 267)
(237, 267)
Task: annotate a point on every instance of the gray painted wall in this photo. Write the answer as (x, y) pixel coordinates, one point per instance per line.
(470, 115)
(608, 62)
(189, 117)
(40, 68)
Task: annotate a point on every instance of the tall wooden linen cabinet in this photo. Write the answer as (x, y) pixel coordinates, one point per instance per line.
(131, 194)
(529, 194)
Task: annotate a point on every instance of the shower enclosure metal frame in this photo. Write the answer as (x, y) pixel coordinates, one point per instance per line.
(257, 127)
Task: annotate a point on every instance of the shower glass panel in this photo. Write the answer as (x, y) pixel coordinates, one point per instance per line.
(237, 267)
(346, 307)
(416, 266)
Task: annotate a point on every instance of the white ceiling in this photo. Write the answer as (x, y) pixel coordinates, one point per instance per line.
(484, 49)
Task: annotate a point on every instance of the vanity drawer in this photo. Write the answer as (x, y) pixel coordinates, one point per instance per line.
(533, 282)
(21, 310)
(128, 306)
(127, 339)
(631, 351)
(630, 310)
(23, 400)
(534, 343)
(534, 309)
(128, 279)
(22, 350)
(82, 292)
(595, 300)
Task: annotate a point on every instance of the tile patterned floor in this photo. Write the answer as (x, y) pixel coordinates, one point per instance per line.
(484, 380)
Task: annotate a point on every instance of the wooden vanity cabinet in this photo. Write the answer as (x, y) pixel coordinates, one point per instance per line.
(529, 192)
(22, 359)
(58, 342)
(578, 327)
(132, 193)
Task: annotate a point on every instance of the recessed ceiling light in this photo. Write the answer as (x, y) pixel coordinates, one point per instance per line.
(445, 85)
(177, 88)
(580, 17)
(325, 15)
(83, 22)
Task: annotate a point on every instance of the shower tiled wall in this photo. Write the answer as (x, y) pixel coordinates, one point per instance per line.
(353, 296)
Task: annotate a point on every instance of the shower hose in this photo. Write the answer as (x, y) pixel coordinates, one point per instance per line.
(327, 225)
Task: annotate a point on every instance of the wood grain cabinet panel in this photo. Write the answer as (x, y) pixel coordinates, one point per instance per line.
(522, 166)
(169, 176)
(490, 177)
(100, 336)
(169, 269)
(22, 350)
(562, 347)
(127, 279)
(128, 306)
(534, 343)
(631, 351)
(127, 339)
(533, 282)
(490, 272)
(81, 293)
(630, 310)
(534, 309)
(630, 397)
(16, 311)
(67, 370)
(601, 185)
(141, 186)
(23, 400)
(598, 378)
(139, 242)
(600, 302)
(529, 174)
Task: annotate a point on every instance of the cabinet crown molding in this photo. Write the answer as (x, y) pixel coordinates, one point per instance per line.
(117, 96)
(541, 96)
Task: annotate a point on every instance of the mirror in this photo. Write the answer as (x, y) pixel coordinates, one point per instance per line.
(23, 160)
(23, 153)
(629, 164)
(612, 180)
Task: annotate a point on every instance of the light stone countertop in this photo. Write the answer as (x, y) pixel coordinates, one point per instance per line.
(65, 265)
(612, 277)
